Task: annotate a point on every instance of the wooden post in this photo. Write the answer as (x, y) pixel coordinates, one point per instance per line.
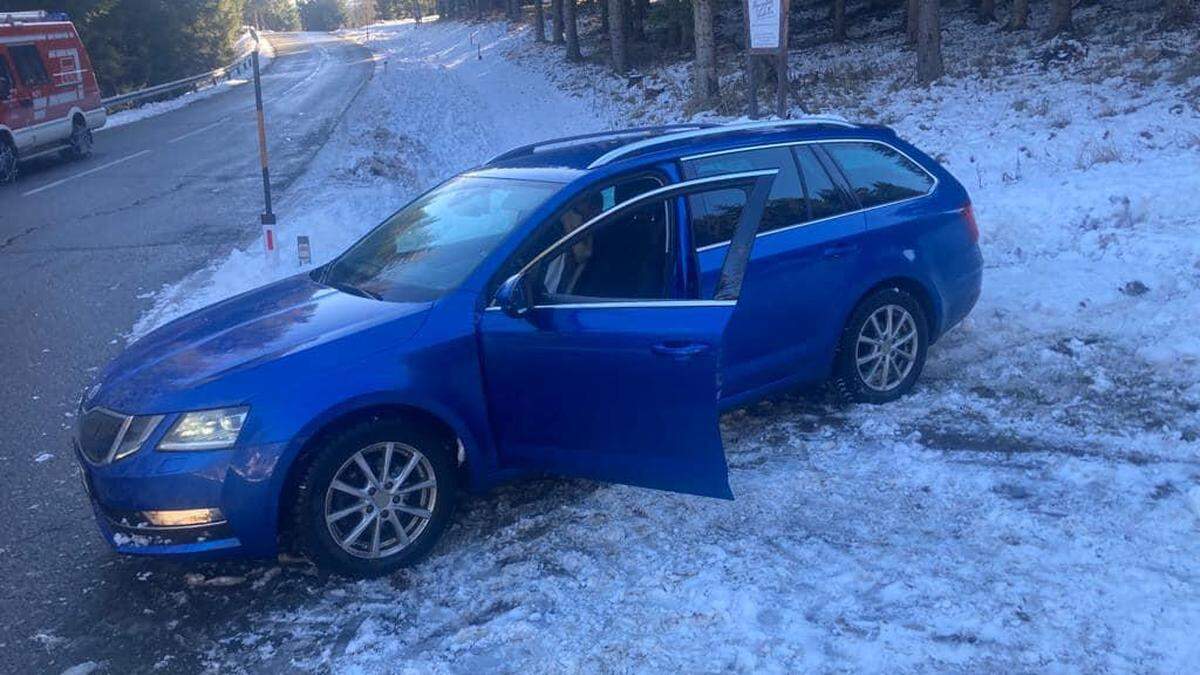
(781, 84)
(752, 84)
(766, 34)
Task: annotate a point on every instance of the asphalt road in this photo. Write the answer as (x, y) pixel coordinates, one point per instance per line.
(83, 245)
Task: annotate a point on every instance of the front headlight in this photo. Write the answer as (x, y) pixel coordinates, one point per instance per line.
(205, 430)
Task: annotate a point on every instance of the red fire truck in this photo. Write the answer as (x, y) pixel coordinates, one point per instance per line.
(49, 99)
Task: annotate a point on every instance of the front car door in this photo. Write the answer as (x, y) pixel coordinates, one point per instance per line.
(605, 373)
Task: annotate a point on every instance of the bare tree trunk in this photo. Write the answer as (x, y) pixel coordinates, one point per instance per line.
(986, 12)
(839, 20)
(1177, 13)
(929, 42)
(539, 19)
(556, 21)
(514, 10)
(1020, 15)
(569, 12)
(1060, 17)
(616, 35)
(913, 10)
(704, 70)
(604, 17)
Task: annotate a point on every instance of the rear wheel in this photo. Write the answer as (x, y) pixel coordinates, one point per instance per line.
(8, 161)
(376, 498)
(79, 145)
(882, 348)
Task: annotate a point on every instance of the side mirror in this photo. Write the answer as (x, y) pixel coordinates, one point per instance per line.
(514, 297)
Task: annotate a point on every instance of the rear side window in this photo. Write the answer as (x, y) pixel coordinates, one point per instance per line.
(29, 65)
(714, 216)
(825, 199)
(878, 173)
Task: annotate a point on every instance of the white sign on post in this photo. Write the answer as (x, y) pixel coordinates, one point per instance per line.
(764, 20)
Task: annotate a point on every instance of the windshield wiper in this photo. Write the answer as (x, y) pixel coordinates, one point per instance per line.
(353, 290)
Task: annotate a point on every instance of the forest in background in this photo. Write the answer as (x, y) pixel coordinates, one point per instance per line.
(137, 43)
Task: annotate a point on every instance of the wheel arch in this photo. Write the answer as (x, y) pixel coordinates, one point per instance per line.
(929, 304)
(346, 416)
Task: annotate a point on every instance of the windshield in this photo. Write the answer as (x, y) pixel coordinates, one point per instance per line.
(431, 245)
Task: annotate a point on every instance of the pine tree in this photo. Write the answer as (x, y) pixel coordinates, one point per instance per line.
(929, 42)
(572, 30)
(1020, 15)
(986, 12)
(704, 69)
(556, 22)
(1060, 17)
(912, 12)
(616, 35)
(839, 20)
(539, 21)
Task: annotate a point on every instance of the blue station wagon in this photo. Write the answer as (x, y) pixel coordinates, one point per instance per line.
(583, 307)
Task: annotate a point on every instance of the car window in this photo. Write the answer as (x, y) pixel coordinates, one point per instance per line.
(712, 223)
(29, 65)
(6, 81)
(824, 198)
(581, 209)
(625, 257)
(879, 174)
(433, 243)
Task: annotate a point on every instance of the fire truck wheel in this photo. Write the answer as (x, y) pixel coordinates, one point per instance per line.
(80, 143)
(8, 161)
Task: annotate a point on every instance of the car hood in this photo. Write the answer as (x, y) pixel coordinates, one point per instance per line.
(192, 361)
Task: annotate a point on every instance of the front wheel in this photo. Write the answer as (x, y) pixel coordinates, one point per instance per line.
(79, 145)
(8, 161)
(882, 349)
(376, 498)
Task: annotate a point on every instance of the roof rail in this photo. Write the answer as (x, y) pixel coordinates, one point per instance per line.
(616, 134)
(625, 150)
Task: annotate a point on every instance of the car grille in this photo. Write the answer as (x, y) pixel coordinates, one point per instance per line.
(98, 430)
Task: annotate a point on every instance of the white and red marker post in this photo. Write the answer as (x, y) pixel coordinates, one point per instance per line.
(268, 216)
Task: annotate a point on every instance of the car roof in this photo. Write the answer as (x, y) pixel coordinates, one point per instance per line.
(573, 155)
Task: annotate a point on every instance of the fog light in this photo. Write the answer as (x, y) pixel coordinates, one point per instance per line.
(184, 517)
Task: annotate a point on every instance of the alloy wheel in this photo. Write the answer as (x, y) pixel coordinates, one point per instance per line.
(380, 500)
(887, 348)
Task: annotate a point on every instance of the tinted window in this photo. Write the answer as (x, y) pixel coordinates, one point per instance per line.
(625, 257)
(785, 206)
(29, 65)
(432, 244)
(824, 198)
(879, 174)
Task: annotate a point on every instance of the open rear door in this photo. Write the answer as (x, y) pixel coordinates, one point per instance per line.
(618, 389)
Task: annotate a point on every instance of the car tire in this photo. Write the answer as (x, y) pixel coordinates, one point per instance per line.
(869, 345)
(380, 548)
(8, 161)
(79, 144)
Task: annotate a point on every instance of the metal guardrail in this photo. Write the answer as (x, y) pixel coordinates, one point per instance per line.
(215, 75)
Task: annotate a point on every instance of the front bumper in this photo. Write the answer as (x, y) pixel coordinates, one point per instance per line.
(151, 480)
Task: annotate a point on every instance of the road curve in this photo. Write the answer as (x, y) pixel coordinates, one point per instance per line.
(83, 245)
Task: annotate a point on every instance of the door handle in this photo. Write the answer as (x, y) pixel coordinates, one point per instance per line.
(839, 250)
(680, 351)
(26, 103)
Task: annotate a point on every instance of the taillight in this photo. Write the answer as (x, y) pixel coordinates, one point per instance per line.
(972, 226)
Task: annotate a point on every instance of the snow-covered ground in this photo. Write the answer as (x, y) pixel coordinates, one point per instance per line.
(1034, 505)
